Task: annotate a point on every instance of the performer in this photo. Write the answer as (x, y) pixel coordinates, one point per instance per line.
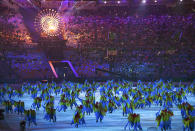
(103, 99)
(140, 103)
(100, 111)
(167, 100)
(33, 93)
(37, 103)
(185, 108)
(133, 122)
(19, 93)
(188, 123)
(116, 100)
(9, 106)
(27, 116)
(76, 119)
(52, 114)
(158, 99)
(111, 106)
(149, 100)
(10, 92)
(33, 116)
(63, 103)
(21, 107)
(78, 116)
(49, 99)
(17, 107)
(2, 92)
(57, 90)
(163, 118)
(5, 103)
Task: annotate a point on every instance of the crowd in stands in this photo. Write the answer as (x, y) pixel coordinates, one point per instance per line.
(13, 29)
(30, 64)
(132, 30)
(164, 41)
(33, 64)
(155, 45)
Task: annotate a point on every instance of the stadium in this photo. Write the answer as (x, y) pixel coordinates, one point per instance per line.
(97, 65)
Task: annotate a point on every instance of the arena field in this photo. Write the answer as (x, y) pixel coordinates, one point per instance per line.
(114, 121)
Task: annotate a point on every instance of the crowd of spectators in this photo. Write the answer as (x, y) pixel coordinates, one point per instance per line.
(152, 45)
(29, 64)
(132, 30)
(13, 29)
(164, 41)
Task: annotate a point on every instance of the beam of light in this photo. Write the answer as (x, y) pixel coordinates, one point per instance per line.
(62, 4)
(71, 66)
(53, 69)
(82, 6)
(29, 1)
(68, 13)
(69, 63)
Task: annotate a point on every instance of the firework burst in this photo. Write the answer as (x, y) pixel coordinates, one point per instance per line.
(48, 21)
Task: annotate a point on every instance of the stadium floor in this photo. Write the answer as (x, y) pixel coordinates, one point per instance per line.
(111, 122)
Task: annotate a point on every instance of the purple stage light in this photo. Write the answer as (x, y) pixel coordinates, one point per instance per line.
(54, 71)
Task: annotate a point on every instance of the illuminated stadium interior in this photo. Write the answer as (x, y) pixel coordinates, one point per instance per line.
(76, 65)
